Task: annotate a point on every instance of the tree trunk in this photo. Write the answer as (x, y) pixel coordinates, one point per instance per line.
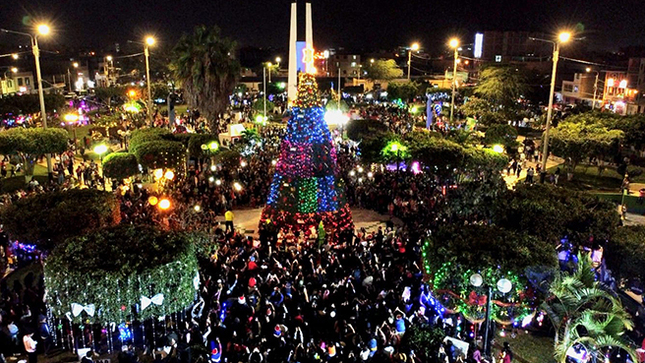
(28, 165)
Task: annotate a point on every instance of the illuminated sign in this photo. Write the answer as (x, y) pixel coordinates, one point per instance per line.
(479, 43)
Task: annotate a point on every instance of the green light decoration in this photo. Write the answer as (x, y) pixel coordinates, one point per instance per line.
(308, 195)
(109, 274)
(395, 150)
(451, 285)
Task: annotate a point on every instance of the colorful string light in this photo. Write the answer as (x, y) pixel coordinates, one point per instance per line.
(306, 189)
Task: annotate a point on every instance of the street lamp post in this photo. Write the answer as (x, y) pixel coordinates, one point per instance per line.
(562, 38)
(269, 65)
(454, 43)
(146, 51)
(504, 286)
(264, 93)
(42, 29)
(595, 88)
(414, 47)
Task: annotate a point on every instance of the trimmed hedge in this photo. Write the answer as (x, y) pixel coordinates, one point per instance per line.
(115, 268)
(120, 165)
(50, 218)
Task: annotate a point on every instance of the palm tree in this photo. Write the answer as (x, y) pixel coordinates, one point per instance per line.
(204, 67)
(584, 313)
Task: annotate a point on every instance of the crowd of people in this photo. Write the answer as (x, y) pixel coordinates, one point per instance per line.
(282, 297)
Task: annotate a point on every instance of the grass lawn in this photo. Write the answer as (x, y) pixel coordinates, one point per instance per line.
(527, 348)
(12, 184)
(634, 205)
(179, 109)
(586, 178)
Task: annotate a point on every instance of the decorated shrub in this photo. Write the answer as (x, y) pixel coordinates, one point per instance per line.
(50, 218)
(120, 165)
(121, 273)
(142, 136)
(160, 154)
(453, 255)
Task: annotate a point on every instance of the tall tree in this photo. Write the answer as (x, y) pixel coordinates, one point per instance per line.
(383, 69)
(501, 85)
(29, 144)
(204, 66)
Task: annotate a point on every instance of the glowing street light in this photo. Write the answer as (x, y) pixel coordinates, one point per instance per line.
(158, 173)
(41, 29)
(14, 56)
(100, 149)
(164, 204)
(170, 175)
(146, 51)
(197, 208)
(504, 286)
(454, 44)
(413, 47)
(14, 70)
(498, 148)
(595, 87)
(213, 145)
(563, 37)
(71, 118)
(237, 186)
(109, 58)
(75, 64)
(153, 200)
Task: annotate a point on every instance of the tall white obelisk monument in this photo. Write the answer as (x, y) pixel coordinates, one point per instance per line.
(296, 60)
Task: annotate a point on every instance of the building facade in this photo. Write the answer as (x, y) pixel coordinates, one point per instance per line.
(618, 94)
(636, 78)
(581, 90)
(513, 46)
(18, 83)
(349, 65)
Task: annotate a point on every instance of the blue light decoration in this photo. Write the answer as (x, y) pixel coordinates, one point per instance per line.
(429, 301)
(125, 333)
(306, 188)
(24, 247)
(222, 313)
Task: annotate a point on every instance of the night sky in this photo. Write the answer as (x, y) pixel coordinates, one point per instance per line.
(356, 24)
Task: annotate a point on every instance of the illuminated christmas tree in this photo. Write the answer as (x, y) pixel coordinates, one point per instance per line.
(306, 189)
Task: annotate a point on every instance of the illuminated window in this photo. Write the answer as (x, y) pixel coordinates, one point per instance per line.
(623, 84)
(610, 82)
(498, 58)
(353, 64)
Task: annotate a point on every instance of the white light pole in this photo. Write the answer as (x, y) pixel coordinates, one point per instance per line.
(595, 89)
(146, 50)
(414, 47)
(264, 85)
(504, 286)
(42, 29)
(562, 38)
(454, 43)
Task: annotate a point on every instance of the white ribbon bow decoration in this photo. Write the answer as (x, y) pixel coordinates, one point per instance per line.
(77, 309)
(157, 300)
(196, 281)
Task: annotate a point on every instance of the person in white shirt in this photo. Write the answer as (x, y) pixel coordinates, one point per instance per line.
(30, 347)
